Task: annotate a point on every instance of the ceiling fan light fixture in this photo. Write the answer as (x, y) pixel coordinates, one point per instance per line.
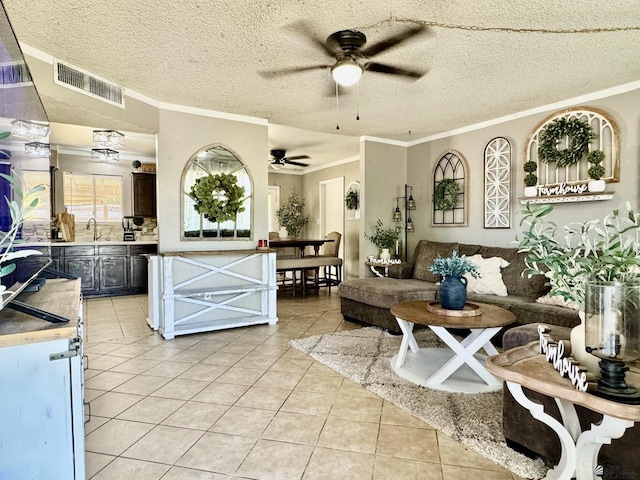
(346, 72)
(104, 155)
(108, 137)
(277, 165)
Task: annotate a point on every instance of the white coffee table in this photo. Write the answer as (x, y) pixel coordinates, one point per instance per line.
(458, 368)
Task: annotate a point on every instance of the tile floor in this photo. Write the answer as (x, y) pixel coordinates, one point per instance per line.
(241, 403)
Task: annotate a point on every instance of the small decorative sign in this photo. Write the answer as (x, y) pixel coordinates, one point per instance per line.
(562, 189)
(559, 354)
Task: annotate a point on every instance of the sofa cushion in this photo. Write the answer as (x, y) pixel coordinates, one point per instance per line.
(533, 312)
(426, 252)
(507, 302)
(512, 275)
(386, 292)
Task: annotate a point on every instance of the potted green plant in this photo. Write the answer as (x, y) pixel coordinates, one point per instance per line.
(383, 238)
(453, 287)
(530, 179)
(291, 216)
(597, 250)
(596, 170)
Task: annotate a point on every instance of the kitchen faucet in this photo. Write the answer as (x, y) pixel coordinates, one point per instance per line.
(95, 228)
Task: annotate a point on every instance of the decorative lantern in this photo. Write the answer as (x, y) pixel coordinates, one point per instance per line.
(612, 324)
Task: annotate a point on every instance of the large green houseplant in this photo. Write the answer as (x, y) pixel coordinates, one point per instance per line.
(291, 215)
(596, 250)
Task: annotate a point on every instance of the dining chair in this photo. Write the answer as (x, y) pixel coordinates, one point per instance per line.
(330, 261)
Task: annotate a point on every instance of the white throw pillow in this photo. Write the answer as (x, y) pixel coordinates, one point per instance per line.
(490, 280)
(557, 300)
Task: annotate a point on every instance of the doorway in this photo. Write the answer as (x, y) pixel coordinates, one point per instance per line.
(273, 192)
(331, 208)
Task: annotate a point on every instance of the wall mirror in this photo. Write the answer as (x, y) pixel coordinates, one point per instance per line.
(217, 196)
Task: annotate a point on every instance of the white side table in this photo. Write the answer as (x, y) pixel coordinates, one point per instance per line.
(375, 266)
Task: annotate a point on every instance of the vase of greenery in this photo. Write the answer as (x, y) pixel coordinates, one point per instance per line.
(606, 250)
(384, 239)
(291, 215)
(596, 170)
(453, 286)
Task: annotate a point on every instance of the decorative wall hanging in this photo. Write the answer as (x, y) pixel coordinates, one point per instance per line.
(567, 153)
(352, 201)
(497, 184)
(449, 191)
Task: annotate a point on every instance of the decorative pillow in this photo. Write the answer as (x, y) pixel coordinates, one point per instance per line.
(489, 281)
(557, 300)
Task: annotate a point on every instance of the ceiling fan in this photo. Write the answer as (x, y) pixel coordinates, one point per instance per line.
(352, 59)
(279, 159)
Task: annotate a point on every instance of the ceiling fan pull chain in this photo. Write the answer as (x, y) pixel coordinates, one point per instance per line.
(337, 108)
(358, 101)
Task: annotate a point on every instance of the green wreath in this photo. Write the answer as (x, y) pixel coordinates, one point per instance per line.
(445, 195)
(580, 134)
(218, 197)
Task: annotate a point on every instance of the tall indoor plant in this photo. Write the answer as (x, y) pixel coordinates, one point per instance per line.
(596, 250)
(291, 215)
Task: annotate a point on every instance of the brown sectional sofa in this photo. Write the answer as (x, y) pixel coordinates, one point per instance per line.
(368, 300)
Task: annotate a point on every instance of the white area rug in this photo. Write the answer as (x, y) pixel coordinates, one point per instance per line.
(474, 420)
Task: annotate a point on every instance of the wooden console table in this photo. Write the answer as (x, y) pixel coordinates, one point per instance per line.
(526, 367)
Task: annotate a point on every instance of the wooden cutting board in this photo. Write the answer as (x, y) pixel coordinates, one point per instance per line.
(67, 222)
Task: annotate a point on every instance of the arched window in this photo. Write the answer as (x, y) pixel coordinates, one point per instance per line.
(450, 191)
(227, 179)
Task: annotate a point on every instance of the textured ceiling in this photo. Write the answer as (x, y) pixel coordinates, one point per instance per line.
(207, 54)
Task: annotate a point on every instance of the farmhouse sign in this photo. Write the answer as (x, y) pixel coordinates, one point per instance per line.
(562, 189)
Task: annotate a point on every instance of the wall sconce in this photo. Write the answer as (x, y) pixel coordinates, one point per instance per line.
(23, 128)
(409, 204)
(104, 155)
(108, 137)
(612, 310)
(37, 149)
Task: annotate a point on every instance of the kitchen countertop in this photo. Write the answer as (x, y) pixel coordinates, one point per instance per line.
(86, 242)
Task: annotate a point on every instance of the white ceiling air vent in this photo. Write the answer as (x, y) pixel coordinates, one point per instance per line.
(84, 82)
(14, 74)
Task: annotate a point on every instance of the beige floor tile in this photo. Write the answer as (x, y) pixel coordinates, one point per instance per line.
(327, 463)
(286, 364)
(248, 422)
(111, 404)
(90, 373)
(102, 348)
(269, 350)
(93, 423)
(270, 460)
(115, 436)
(209, 346)
(450, 472)
(204, 372)
(308, 403)
(196, 415)
(230, 451)
(163, 444)
(180, 473)
(243, 348)
(94, 462)
(360, 409)
(240, 376)
(135, 366)
(169, 369)
(258, 362)
(392, 415)
(390, 467)
(320, 383)
(142, 384)
(160, 353)
(319, 369)
(222, 358)
(352, 389)
(122, 468)
(107, 380)
(408, 442)
(453, 453)
(275, 379)
(294, 428)
(132, 350)
(190, 356)
(265, 398)
(91, 394)
(222, 393)
(180, 388)
(349, 435)
(151, 410)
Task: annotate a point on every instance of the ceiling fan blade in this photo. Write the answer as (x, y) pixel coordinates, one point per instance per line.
(305, 29)
(393, 41)
(297, 164)
(288, 71)
(403, 72)
(296, 157)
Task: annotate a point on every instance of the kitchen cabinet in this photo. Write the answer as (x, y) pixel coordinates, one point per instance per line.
(42, 401)
(144, 194)
(106, 270)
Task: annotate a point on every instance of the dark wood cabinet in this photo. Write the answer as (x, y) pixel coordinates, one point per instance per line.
(144, 194)
(138, 277)
(113, 272)
(84, 268)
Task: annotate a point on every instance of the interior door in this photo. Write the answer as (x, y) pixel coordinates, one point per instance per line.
(332, 208)
(273, 192)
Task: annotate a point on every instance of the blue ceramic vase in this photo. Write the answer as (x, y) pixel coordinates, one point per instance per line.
(453, 293)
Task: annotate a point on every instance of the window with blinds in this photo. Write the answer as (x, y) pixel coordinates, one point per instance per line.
(93, 196)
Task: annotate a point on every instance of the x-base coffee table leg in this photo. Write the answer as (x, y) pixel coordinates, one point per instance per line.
(408, 341)
(464, 352)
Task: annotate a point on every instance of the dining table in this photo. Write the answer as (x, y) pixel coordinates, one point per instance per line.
(301, 243)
